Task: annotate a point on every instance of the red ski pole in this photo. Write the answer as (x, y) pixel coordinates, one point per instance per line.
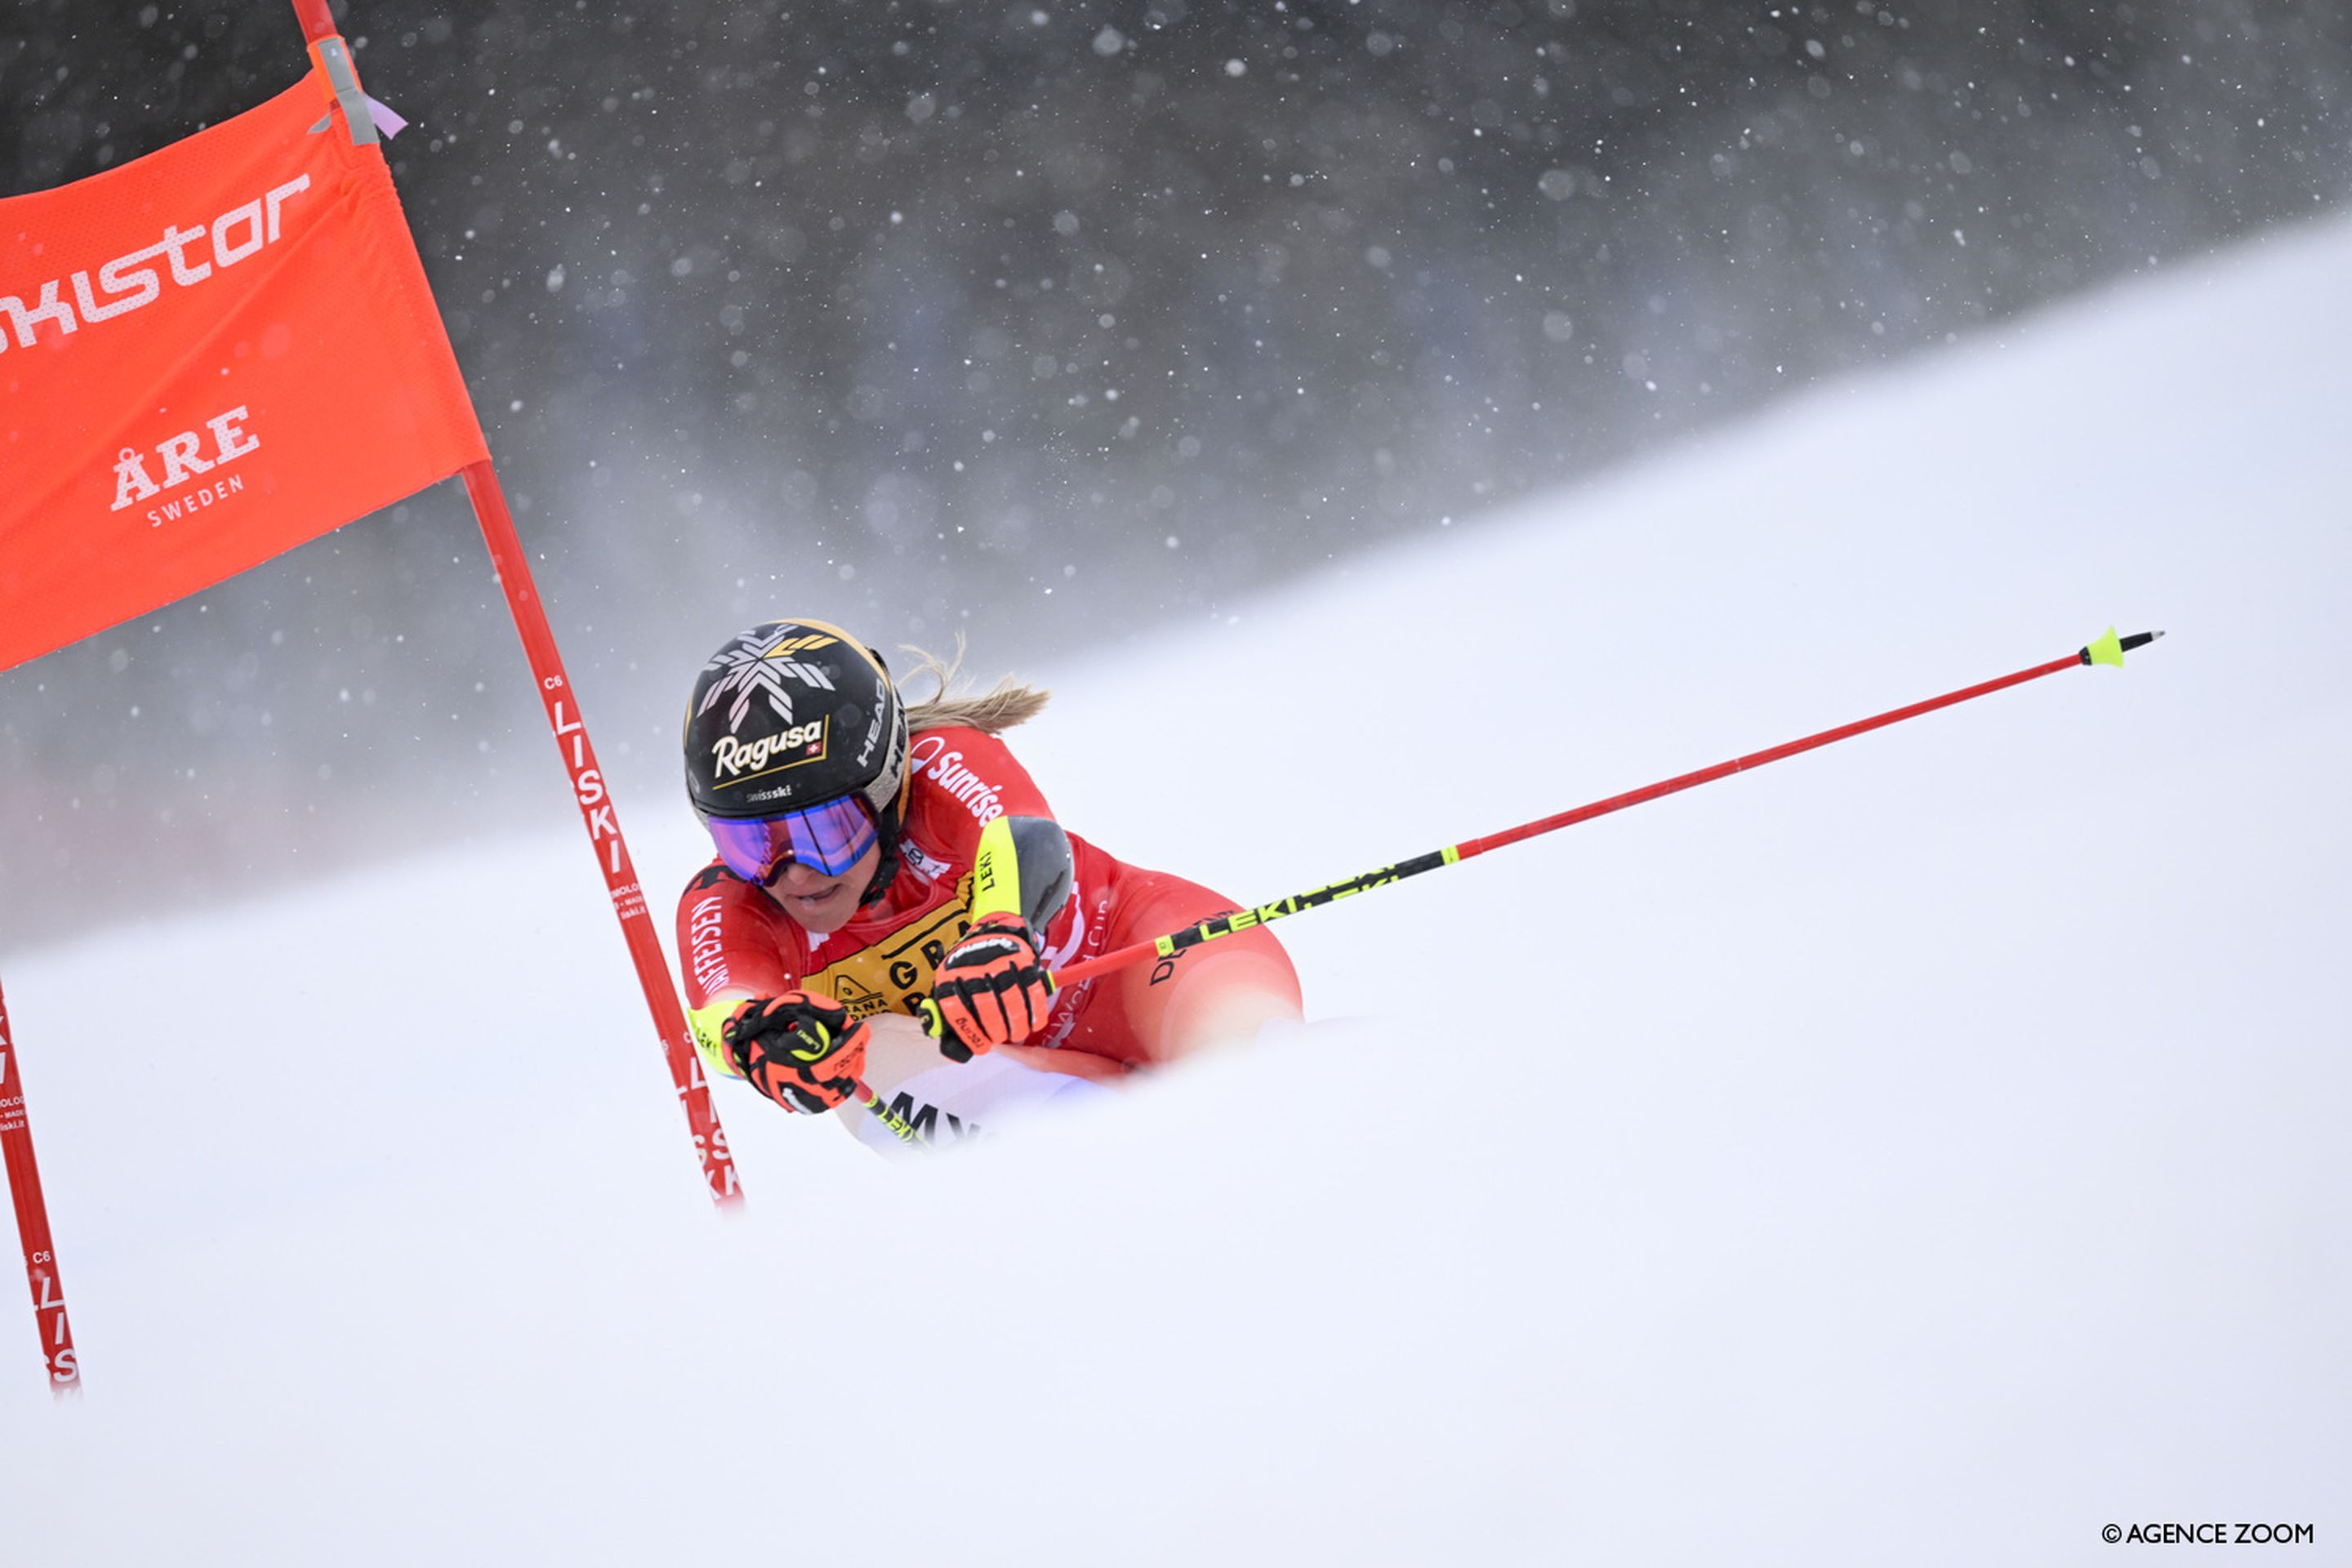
(2107, 650)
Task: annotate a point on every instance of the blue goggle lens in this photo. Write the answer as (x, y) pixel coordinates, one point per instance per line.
(827, 838)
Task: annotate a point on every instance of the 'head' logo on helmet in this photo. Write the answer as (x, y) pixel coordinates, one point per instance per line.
(789, 713)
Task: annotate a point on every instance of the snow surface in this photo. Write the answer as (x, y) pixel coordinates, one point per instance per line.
(1929, 1150)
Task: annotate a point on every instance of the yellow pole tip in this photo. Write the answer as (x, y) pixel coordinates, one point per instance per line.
(2107, 649)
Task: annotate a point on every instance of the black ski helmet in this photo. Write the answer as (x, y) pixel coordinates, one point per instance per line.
(791, 714)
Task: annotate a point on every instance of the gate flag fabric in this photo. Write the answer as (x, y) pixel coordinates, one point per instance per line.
(208, 356)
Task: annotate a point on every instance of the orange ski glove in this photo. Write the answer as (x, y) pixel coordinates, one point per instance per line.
(801, 1049)
(992, 989)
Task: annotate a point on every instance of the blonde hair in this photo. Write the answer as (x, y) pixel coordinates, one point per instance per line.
(1003, 705)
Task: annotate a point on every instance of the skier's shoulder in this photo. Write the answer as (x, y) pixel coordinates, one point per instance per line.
(973, 769)
(969, 743)
(732, 940)
(719, 910)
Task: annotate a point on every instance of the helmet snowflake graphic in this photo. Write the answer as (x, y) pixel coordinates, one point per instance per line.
(758, 664)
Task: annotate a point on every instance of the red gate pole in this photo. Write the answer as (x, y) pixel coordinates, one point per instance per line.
(587, 782)
(33, 1222)
(603, 829)
(318, 22)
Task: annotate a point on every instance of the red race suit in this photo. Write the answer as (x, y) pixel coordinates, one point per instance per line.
(737, 939)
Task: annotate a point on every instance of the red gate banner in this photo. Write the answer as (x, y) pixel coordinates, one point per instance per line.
(208, 356)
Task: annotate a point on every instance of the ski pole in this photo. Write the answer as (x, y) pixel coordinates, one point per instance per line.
(902, 1129)
(2107, 648)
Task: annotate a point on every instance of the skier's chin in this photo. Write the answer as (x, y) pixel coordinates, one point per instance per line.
(819, 914)
(823, 905)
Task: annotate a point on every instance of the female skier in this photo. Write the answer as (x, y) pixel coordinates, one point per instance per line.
(891, 895)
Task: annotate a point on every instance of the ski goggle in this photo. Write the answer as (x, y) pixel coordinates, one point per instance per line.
(827, 838)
